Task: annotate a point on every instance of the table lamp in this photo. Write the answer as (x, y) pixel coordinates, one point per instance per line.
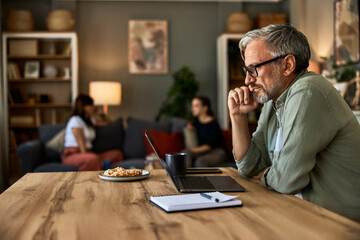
(105, 93)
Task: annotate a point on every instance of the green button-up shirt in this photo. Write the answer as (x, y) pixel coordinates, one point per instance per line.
(311, 140)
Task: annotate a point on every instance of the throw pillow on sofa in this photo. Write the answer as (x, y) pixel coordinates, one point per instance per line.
(109, 137)
(47, 132)
(134, 144)
(57, 142)
(178, 124)
(227, 135)
(190, 138)
(165, 142)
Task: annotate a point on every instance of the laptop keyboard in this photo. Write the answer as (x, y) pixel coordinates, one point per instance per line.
(195, 182)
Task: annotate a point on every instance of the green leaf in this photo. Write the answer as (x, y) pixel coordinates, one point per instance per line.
(180, 95)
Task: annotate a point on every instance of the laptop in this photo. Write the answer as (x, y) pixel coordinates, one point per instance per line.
(190, 184)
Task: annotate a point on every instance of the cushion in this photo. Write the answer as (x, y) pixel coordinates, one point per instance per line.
(48, 131)
(57, 142)
(165, 142)
(190, 138)
(134, 144)
(178, 124)
(109, 137)
(227, 135)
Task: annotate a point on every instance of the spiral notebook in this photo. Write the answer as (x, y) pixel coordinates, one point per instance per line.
(186, 202)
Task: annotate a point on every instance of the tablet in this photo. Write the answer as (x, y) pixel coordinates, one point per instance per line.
(202, 170)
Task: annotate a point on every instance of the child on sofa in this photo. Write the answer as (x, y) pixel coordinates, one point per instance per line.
(210, 149)
(79, 135)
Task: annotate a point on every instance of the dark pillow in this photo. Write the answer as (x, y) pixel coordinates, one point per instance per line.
(46, 133)
(109, 137)
(166, 142)
(227, 135)
(178, 124)
(134, 145)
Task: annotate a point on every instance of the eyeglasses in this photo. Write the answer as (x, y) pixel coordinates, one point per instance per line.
(252, 69)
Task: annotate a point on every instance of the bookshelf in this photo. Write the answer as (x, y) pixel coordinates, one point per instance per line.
(40, 74)
(230, 76)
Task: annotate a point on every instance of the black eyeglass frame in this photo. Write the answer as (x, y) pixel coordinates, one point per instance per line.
(246, 69)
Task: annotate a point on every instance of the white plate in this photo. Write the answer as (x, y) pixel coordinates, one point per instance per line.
(145, 174)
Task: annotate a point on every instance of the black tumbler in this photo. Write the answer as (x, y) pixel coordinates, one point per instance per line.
(176, 163)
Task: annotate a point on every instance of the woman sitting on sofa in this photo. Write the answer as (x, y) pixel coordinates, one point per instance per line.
(79, 135)
(210, 149)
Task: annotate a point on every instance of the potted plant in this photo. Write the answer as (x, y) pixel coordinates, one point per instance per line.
(180, 95)
(343, 73)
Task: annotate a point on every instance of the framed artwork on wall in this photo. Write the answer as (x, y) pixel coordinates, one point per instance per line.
(347, 44)
(148, 46)
(32, 69)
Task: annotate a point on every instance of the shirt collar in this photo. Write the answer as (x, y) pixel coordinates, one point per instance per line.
(281, 100)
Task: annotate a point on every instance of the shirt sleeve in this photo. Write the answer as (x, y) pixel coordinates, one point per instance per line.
(256, 158)
(75, 122)
(308, 126)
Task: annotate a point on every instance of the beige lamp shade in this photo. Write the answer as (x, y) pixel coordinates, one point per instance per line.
(105, 93)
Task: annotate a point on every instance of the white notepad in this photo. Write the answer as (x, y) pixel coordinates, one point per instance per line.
(184, 202)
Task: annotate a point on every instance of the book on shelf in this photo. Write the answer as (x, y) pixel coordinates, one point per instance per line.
(22, 120)
(16, 96)
(11, 100)
(11, 74)
(37, 117)
(67, 49)
(186, 202)
(13, 71)
(16, 71)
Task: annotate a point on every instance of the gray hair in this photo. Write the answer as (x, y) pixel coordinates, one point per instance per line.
(281, 40)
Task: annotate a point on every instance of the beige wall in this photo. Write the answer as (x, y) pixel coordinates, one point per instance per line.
(316, 20)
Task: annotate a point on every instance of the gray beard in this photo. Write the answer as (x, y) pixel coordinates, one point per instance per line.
(262, 98)
(271, 93)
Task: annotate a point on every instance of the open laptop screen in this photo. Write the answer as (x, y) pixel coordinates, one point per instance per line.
(160, 156)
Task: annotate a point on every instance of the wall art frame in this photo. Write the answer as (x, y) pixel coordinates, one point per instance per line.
(148, 46)
(32, 69)
(347, 32)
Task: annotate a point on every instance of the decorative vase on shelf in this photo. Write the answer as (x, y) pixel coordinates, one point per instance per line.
(50, 71)
(60, 20)
(238, 23)
(20, 21)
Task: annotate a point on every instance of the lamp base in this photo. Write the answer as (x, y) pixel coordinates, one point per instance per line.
(105, 109)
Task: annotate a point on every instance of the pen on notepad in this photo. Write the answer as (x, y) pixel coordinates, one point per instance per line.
(209, 197)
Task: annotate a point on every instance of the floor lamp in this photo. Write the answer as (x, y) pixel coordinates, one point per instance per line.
(105, 93)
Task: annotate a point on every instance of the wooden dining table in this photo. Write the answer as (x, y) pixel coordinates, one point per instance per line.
(80, 205)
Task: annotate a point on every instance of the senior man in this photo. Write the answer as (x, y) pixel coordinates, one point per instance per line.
(307, 139)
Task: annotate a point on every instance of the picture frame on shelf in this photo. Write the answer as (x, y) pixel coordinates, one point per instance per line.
(347, 31)
(148, 46)
(32, 69)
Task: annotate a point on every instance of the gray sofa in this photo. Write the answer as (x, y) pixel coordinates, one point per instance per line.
(35, 156)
